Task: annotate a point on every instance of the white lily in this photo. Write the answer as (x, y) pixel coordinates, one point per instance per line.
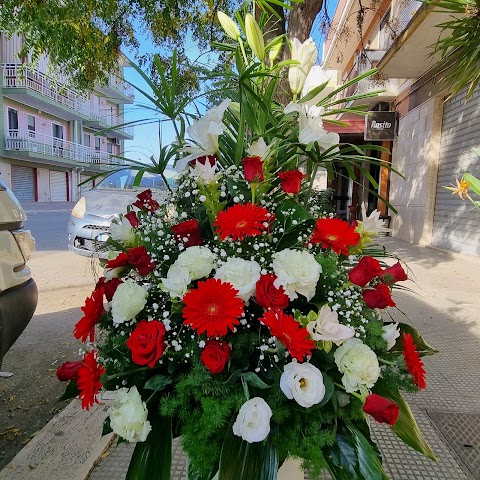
(372, 225)
(306, 54)
(206, 172)
(259, 149)
(204, 134)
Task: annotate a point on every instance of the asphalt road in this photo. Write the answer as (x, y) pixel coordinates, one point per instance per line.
(29, 399)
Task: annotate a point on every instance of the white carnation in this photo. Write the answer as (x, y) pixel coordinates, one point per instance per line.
(241, 274)
(327, 327)
(253, 420)
(358, 363)
(302, 382)
(128, 415)
(390, 334)
(199, 261)
(122, 231)
(297, 271)
(129, 300)
(177, 281)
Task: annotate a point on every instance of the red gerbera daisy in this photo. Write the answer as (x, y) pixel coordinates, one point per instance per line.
(88, 381)
(335, 234)
(286, 329)
(242, 221)
(412, 361)
(93, 310)
(212, 307)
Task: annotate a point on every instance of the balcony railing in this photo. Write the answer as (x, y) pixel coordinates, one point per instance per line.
(108, 119)
(54, 147)
(121, 86)
(18, 76)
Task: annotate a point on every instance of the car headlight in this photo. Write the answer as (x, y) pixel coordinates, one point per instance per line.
(80, 208)
(25, 242)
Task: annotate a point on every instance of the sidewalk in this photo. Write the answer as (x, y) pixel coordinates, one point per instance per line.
(46, 207)
(445, 308)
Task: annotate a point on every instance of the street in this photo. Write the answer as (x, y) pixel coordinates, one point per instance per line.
(28, 399)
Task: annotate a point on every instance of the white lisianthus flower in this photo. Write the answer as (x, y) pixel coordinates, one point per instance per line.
(129, 300)
(311, 126)
(177, 281)
(199, 261)
(241, 274)
(302, 382)
(358, 363)
(327, 327)
(297, 271)
(390, 334)
(253, 420)
(259, 149)
(128, 415)
(122, 231)
(306, 53)
(206, 173)
(204, 134)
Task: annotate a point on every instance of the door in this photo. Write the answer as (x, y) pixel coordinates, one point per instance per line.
(57, 132)
(58, 186)
(456, 223)
(23, 183)
(13, 122)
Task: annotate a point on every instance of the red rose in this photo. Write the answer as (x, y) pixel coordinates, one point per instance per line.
(189, 230)
(253, 169)
(215, 355)
(121, 260)
(291, 180)
(109, 286)
(269, 296)
(132, 218)
(393, 274)
(146, 202)
(379, 297)
(147, 342)
(141, 260)
(69, 371)
(366, 270)
(381, 409)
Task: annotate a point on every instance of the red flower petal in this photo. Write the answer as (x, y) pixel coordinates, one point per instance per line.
(88, 381)
(335, 234)
(93, 311)
(413, 362)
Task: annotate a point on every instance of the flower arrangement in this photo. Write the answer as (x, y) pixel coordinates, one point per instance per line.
(239, 313)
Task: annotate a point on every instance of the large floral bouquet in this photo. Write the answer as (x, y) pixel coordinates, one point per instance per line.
(239, 313)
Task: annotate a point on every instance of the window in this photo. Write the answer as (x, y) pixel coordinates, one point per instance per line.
(12, 121)
(109, 148)
(57, 131)
(31, 126)
(86, 140)
(97, 144)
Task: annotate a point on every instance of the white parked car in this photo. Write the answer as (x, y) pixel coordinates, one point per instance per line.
(18, 291)
(90, 219)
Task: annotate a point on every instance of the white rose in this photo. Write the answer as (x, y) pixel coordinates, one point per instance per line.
(199, 261)
(128, 415)
(128, 300)
(327, 327)
(358, 363)
(241, 274)
(302, 382)
(122, 231)
(253, 420)
(177, 281)
(390, 334)
(297, 271)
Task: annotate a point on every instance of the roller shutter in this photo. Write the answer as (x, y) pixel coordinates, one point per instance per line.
(58, 186)
(456, 224)
(23, 183)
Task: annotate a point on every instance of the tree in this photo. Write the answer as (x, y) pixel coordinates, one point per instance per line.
(86, 37)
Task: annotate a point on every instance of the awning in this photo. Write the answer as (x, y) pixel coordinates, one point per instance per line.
(354, 126)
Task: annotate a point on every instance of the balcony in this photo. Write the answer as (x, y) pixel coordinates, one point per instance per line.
(117, 90)
(32, 87)
(101, 119)
(36, 146)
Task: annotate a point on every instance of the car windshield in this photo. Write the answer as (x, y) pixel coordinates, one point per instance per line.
(124, 179)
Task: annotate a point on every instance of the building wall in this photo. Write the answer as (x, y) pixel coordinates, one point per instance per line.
(415, 155)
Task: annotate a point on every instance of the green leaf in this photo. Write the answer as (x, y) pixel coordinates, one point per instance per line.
(241, 460)
(295, 211)
(106, 427)
(422, 346)
(152, 459)
(254, 380)
(329, 391)
(157, 383)
(314, 92)
(474, 182)
(71, 391)
(406, 426)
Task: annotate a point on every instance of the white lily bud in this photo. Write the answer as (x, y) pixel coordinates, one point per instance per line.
(306, 54)
(254, 36)
(274, 48)
(229, 26)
